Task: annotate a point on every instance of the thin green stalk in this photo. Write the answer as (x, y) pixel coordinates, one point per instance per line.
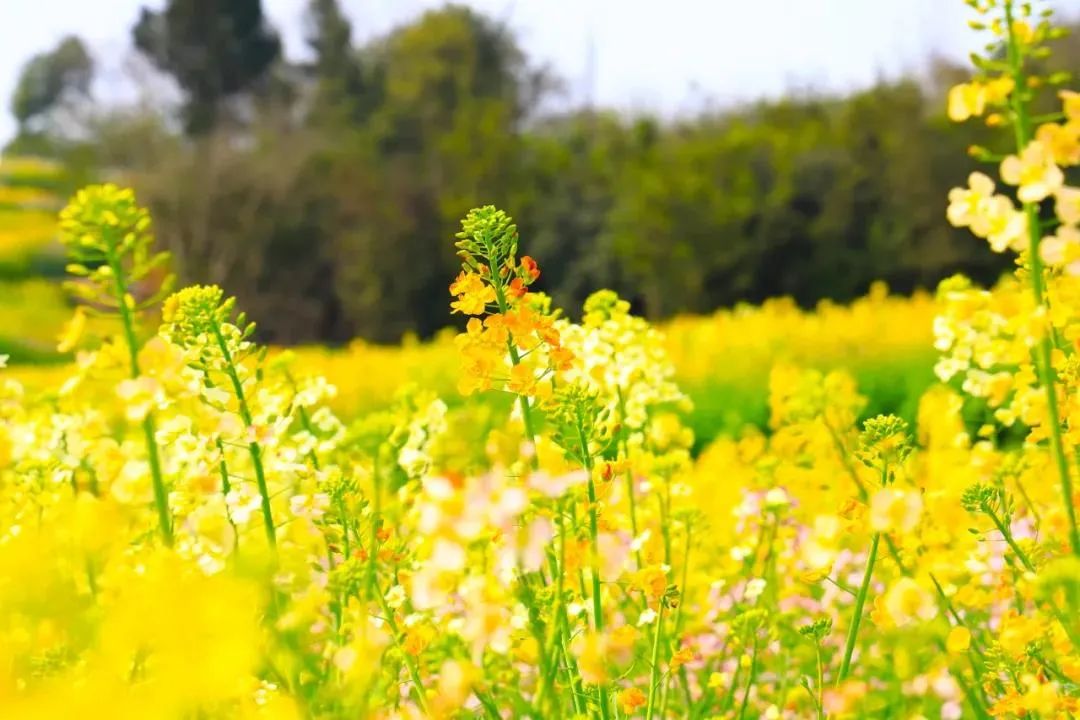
(1025, 560)
(489, 705)
(528, 599)
(161, 495)
(820, 681)
(573, 674)
(552, 646)
(225, 488)
(254, 449)
(749, 680)
(1007, 534)
(376, 521)
(677, 629)
(414, 672)
(630, 495)
(1044, 350)
(845, 460)
(594, 534)
(860, 601)
(515, 358)
(561, 627)
(654, 673)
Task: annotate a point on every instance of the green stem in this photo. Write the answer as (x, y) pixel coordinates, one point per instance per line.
(677, 629)
(630, 495)
(573, 674)
(161, 495)
(749, 680)
(594, 534)
(254, 448)
(1044, 351)
(414, 672)
(856, 619)
(515, 358)
(654, 673)
(225, 488)
(376, 521)
(820, 682)
(1007, 534)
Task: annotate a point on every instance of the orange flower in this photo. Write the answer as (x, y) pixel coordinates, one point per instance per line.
(521, 323)
(523, 380)
(530, 268)
(561, 358)
(631, 699)
(517, 288)
(681, 656)
(416, 639)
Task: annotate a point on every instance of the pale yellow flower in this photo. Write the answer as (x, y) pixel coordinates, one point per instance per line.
(895, 510)
(967, 205)
(73, 331)
(1062, 249)
(1067, 206)
(1003, 226)
(1034, 172)
(907, 602)
(966, 100)
(1061, 141)
(959, 640)
(1070, 101)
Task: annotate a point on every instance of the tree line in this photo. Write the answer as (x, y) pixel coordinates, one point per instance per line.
(325, 193)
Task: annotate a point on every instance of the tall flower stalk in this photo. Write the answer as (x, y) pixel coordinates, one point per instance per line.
(200, 320)
(1019, 101)
(883, 445)
(109, 242)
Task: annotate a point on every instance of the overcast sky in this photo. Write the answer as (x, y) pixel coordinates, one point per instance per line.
(667, 56)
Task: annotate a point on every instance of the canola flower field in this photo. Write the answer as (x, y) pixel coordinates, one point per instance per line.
(194, 526)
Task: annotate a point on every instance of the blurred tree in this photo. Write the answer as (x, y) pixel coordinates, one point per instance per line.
(48, 81)
(571, 170)
(454, 92)
(215, 49)
(341, 90)
(329, 210)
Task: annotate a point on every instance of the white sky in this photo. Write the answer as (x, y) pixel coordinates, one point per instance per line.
(665, 56)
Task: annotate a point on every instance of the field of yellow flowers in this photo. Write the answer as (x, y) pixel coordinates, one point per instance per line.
(193, 526)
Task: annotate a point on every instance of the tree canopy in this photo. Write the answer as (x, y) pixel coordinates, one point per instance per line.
(329, 211)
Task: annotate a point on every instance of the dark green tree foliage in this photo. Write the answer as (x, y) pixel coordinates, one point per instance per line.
(215, 49)
(50, 78)
(330, 216)
(342, 92)
(446, 131)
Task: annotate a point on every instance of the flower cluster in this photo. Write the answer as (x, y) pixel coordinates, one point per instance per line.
(188, 530)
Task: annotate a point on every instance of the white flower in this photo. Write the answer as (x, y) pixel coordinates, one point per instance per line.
(739, 553)
(345, 658)
(648, 617)
(754, 588)
(777, 498)
(395, 597)
(640, 540)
